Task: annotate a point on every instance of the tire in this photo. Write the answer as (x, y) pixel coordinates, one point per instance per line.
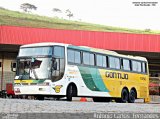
(132, 96)
(124, 97)
(71, 92)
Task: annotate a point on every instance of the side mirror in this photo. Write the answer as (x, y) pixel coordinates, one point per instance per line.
(13, 66)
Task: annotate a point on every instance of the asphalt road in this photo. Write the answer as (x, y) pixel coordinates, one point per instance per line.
(62, 106)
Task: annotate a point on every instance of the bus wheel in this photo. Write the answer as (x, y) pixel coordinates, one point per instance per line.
(124, 97)
(132, 96)
(71, 92)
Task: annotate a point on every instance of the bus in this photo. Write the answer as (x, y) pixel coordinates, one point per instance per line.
(64, 70)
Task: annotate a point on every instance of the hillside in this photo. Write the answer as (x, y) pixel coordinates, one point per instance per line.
(15, 18)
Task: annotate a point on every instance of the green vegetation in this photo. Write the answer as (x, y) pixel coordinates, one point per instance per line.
(15, 18)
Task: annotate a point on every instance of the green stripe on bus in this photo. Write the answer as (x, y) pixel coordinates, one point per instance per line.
(87, 78)
(98, 80)
(92, 79)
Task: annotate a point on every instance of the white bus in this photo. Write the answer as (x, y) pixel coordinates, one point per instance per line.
(63, 70)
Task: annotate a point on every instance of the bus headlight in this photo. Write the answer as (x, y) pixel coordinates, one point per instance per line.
(17, 90)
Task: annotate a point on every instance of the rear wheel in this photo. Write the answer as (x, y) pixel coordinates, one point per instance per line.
(132, 96)
(124, 96)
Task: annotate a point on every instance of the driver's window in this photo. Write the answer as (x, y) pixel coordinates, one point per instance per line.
(58, 63)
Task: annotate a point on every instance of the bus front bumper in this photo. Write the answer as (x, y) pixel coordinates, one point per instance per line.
(32, 90)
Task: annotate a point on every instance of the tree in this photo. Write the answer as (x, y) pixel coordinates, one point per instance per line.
(57, 10)
(69, 13)
(27, 7)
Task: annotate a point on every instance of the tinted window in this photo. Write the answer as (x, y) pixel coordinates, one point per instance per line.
(139, 67)
(126, 64)
(88, 58)
(59, 52)
(91, 58)
(114, 62)
(104, 64)
(99, 60)
(74, 56)
(70, 56)
(136, 66)
(77, 56)
(144, 67)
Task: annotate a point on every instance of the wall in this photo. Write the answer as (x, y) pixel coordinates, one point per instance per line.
(8, 75)
(104, 40)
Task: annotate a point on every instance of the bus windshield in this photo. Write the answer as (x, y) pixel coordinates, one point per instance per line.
(41, 63)
(35, 51)
(34, 68)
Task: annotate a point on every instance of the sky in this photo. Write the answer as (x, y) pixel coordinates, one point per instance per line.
(119, 13)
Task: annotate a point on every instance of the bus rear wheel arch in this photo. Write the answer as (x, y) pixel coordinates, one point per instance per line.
(132, 95)
(71, 91)
(124, 96)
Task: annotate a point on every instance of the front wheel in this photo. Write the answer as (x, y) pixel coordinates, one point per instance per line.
(71, 92)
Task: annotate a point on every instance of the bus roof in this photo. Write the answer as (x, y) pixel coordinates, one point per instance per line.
(86, 48)
(43, 44)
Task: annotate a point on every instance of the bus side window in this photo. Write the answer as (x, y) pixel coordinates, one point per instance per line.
(99, 60)
(88, 58)
(114, 62)
(70, 55)
(126, 64)
(74, 56)
(77, 55)
(92, 59)
(144, 69)
(136, 65)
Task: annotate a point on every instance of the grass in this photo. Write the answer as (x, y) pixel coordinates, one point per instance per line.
(15, 18)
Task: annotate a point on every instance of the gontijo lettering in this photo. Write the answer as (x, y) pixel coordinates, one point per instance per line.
(116, 75)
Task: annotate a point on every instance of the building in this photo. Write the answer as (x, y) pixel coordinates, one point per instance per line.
(11, 37)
